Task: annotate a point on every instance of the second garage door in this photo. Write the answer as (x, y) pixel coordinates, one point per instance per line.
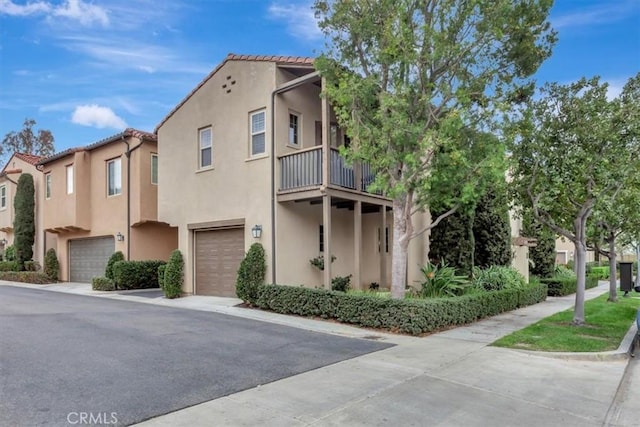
(88, 258)
(218, 256)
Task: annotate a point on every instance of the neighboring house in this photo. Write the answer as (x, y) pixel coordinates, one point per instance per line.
(18, 164)
(102, 198)
(565, 251)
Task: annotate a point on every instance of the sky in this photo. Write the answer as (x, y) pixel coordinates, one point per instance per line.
(87, 69)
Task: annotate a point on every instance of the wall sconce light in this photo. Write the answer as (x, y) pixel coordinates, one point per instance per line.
(256, 231)
(3, 242)
(120, 237)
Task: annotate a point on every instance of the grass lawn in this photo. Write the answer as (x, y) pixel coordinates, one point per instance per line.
(606, 325)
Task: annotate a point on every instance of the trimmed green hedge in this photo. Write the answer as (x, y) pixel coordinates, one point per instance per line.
(136, 274)
(25, 277)
(9, 266)
(560, 286)
(161, 276)
(412, 316)
(102, 284)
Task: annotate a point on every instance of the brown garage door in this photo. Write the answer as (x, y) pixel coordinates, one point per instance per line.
(218, 256)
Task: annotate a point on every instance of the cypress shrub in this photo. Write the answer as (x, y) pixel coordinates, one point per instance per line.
(251, 273)
(173, 275)
(115, 257)
(161, 269)
(451, 242)
(492, 230)
(24, 220)
(543, 255)
(136, 274)
(51, 265)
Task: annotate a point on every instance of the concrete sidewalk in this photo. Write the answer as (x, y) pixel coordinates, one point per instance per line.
(447, 379)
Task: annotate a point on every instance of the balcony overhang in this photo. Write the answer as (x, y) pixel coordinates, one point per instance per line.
(66, 229)
(314, 195)
(6, 229)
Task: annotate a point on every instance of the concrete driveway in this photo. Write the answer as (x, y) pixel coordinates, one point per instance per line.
(62, 356)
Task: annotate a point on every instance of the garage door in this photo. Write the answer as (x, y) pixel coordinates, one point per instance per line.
(218, 256)
(88, 258)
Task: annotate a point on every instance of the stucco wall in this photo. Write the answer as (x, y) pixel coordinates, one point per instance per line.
(153, 241)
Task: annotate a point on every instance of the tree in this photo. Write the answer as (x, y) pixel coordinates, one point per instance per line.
(452, 242)
(569, 155)
(492, 228)
(28, 141)
(24, 220)
(543, 254)
(406, 77)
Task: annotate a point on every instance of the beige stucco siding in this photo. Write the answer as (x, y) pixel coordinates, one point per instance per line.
(153, 241)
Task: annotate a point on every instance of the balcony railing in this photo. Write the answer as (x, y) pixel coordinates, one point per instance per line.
(304, 169)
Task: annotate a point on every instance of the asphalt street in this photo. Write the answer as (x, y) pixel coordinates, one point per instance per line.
(66, 356)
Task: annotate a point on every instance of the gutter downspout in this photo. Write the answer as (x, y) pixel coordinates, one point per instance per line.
(128, 154)
(273, 187)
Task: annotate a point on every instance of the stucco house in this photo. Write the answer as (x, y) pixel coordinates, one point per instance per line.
(102, 198)
(18, 164)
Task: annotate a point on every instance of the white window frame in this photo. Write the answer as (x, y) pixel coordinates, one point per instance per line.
(69, 173)
(252, 134)
(3, 197)
(154, 156)
(47, 186)
(201, 148)
(117, 191)
(298, 135)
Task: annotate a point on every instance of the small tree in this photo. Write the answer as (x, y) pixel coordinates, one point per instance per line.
(51, 265)
(174, 275)
(115, 257)
(27, 141)
(24, 220)
(251, 273)
(492, 229)
(451, 242)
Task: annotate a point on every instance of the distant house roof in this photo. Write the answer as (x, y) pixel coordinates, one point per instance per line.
(32, 159)
(280, 60)
(129, 132)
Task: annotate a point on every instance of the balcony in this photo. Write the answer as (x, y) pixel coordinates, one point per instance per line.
(302, 170)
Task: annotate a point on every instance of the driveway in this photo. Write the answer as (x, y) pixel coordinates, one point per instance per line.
(63, 355)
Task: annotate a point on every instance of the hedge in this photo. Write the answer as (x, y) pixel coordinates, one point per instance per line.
(560, 286)
(174, 275)
(102, 284)
(9, 266)
(136, 274)
(25, 277)
(412, 316)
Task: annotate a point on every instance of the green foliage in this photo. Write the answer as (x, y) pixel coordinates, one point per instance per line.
(10, 253)
(32, 265)
(51, 265)
(115, 257)
(9, 266)
(492, 229)
(411, 316)
(102, 284)
(543, 254)
(560, 286)
(161, 269)
(174, 275)
(251, 273)
(24, 220)
(563, 272)
(136, 274)
(441, 281)
(341, 283)
(497, 278)
(599, 272)
(25, 277)
(318, 262)
(451, 242)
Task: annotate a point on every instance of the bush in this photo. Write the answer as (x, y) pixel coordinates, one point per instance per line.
(340, 283)
(560, 286)
(25, 277)
(441, 281)
(51, 265)
(492, 229)
(413, 316)
(9, 266)
(600, 272)
(102, 284)
(496, 278)
(251, 273)
(173, 275)
(10, 253)
(24, 224)
(161, 276)
(564, 272)
(115, 257)
(32, 266)
(136, 274)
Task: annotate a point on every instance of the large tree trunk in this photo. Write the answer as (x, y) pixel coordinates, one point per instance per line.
(638, 266)
(613, 296)
(402, 229)
(581, 268)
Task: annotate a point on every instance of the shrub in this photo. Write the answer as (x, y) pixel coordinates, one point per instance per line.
(600, 272)
(413, 316)
(24, 225)
(136, 274)
(51, 265)
(115, 257)
(25, 277)
(173, 275)
(564, 272)
(102, 284)
(441, 281)
(10, 253)
(543, 254)
(496, 278)
(32, 265)
(452, 241)
(251, 273)
(492, 229)
(341, 283)
(318, 262)
(560, 286)
(161, 275)
(9, 266)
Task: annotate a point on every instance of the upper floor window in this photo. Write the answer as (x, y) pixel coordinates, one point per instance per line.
(3, 196)
(47, 186)
(70, 179)
(114, 177)
(294, 129)
(206, 145)
(154, 169)
(258, 132)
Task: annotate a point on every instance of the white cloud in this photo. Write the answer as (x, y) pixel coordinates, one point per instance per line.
(611, 11)
(299, 18)
(74, 10)
(97, 116)
(8, 7)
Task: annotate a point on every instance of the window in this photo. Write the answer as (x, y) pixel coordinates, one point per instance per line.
(47, 186)
(321, 237)
(70, 179)
(154, 169)
(114, 177)
(3, 196)
(206, 142)
(258, 132)
(294, 129)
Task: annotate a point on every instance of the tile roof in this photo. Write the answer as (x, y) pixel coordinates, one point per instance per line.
(280, 60)
(29, 158)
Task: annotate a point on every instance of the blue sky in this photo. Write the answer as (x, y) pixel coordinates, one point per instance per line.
(87, 69)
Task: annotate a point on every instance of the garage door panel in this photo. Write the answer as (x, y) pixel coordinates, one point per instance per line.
(88, 258)
(218, 256)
